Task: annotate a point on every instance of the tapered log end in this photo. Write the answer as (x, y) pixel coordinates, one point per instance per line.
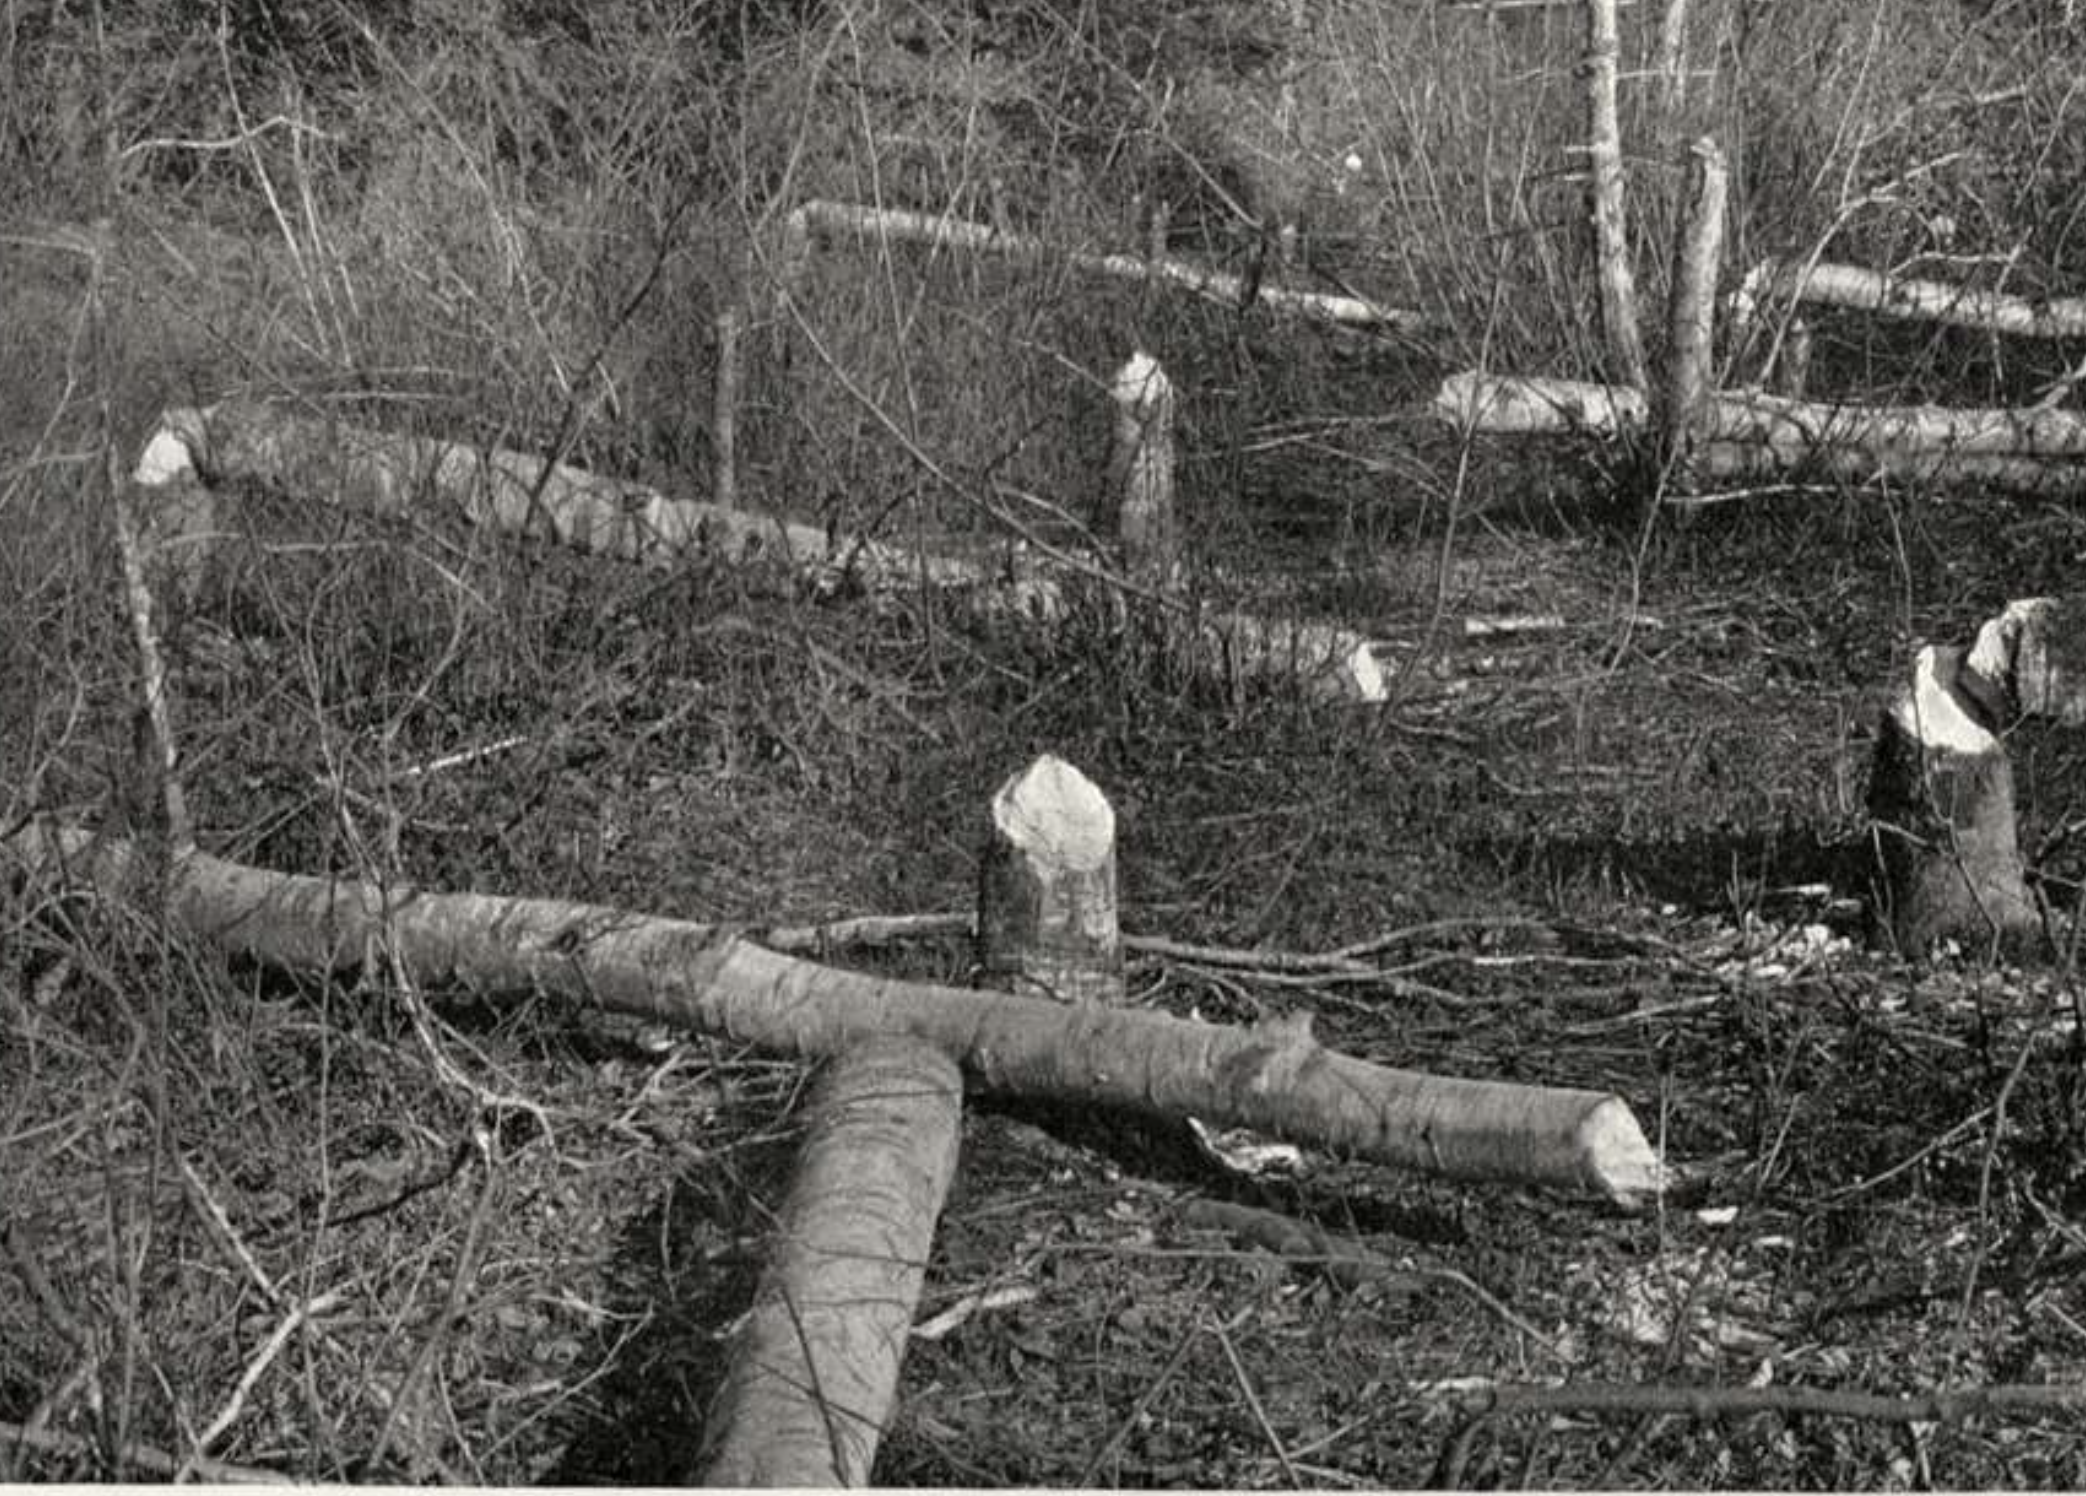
(1141, 386)
(166, 459)
(2034, 653)
(1618, 1160)
(1052, 812)
(1458, 401)
(1360, 676)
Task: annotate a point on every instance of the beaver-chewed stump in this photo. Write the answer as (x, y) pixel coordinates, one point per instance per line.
(1942, 792)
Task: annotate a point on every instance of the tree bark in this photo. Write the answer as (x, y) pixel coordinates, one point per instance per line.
(1047, 921)
(1905, 299)
(1942, 794)
(1692, 342)
(1941, 797)
(514, 493)
(1610, 221)
(979, 238)
(1754, 434)
(1273, 1078)
(815, 1368)
(519, 494)
(1140, 471)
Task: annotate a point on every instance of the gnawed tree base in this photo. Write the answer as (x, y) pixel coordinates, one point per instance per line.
(1273, 1078)
(814, 1370)
(1047, 889)
(1942, 790)
(1942, 799)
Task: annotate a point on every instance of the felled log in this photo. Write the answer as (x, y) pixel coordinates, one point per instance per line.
(1905, 299)
(1513, 404)
(1275, 1079)
(1752, 433)
(946, 232)
(517, 494)
(815, 1367)
(1941, 793)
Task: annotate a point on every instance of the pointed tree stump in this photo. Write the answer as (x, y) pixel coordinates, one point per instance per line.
(1691, 346)
(1942, 798)
(1942, 791)
(1046, 888)
(1140, 470)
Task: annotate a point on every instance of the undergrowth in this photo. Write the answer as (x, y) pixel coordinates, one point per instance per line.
(519, 225)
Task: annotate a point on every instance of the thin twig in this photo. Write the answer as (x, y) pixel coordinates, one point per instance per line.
(1729, 1402)
(217, 1224)
(236, 1403)
(1267, 1430)
(158, 1461)
(438, 1333)
(1145, 1399)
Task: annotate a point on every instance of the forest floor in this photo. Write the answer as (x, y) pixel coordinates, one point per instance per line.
(1620, 851)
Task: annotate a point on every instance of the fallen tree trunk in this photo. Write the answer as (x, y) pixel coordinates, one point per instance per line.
(1274, 1078)
(1753, 433)
(518, 494)
(814, 1370)
(980, 238)
(514, 493)
(1515, 404)
(1909, 300)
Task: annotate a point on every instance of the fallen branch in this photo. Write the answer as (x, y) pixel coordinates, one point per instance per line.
(1273, 1078)
(1909, 300)
(1344, 1260)
(1738, 1402)
(979, 238)
(1723, 1402)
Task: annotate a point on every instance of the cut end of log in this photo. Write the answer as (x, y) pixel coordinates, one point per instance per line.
(1620, 1161)
(1055, 813)
(1999, 639)
(1360, 676)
